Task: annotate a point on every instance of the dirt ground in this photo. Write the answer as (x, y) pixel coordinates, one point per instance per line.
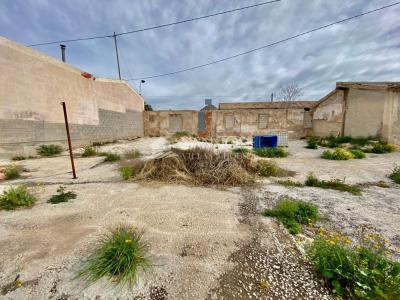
(206, 243)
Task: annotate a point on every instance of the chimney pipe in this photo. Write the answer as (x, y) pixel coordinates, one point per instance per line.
(63, 52)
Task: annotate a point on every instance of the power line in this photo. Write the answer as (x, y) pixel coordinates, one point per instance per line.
(265, 46)
(158, 26)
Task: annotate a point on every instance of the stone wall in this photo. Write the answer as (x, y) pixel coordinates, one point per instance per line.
(32, 85)
(162, 123)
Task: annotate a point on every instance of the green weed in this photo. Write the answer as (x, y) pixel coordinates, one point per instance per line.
(62, 196)
(49, 150)
(312, 142)
(333, 184)
(290, 183)
(240, 150)
(358, 153)
(12, 172)
(89, 151)
(292, 213)
(132, 154)
(126, 172)
(271, 152)
(395, 175)
(16, 197)
(18, 157)
(338, 154)
(109, 156)
(382, 148)
(267, 168)
(119, 256)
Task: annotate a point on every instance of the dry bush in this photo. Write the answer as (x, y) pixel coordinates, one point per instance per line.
(198, 166)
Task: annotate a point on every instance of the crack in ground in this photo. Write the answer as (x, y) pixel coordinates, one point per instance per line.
(268, 265)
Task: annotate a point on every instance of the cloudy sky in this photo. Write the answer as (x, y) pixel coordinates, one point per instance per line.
(364, 49)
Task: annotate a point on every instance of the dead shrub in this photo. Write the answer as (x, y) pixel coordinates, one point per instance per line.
(198, 166)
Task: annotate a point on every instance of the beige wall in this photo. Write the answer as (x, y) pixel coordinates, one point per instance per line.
(328, 115)
(247, 122)
(32, 85)
(158, 123)
(364, 112)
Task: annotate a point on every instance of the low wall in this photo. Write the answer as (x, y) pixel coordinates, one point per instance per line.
(162, 123)
(32, 85)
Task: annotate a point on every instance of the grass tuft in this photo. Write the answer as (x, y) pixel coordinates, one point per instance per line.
(126, 172)
(119, 256)
(16, 197)
(271, 152)
(18, 157)
(382, 148)
(240, 150)
(89, 151)
(49, 150)
(338, 154)
(109, 156)
(267, 168)
(132, 154)
(395, 175)
(62, 196)
(333, 184)
(312, 142)
(12, 172)
(290, 183)
(358, 153)
(292, 213)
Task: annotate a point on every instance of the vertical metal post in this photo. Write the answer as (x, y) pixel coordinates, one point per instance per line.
(116, 52)
(272, 97)
(69, 140)
(63, 52)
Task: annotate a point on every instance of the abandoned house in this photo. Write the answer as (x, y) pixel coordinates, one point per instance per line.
(32, 85)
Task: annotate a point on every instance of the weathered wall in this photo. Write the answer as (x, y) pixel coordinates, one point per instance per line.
(249, 122)
(32, 86)
(161, 123)
(328, 114)
(392, 114)
(364, 112)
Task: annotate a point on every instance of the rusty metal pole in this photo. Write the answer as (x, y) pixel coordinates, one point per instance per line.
(116, 53)
(69, 140)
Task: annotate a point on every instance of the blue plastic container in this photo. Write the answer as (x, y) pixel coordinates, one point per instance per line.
(261, 141)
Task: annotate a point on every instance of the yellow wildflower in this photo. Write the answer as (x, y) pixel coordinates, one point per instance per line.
(128, 241)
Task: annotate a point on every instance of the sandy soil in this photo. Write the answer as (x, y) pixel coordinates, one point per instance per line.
(206, 243)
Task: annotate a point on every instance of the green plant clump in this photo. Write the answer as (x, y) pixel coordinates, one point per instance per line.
(16, 197)
(271, 152)
(358, 153)
(132, 154)
(338, 154)
(240, 150)
(12, 172)
(355, 271)
(290, 183)
(333, 184)
(382, 148)
(18, 157)
(119, 256)
(292, 213)
(126, 172)
(267, 168)
(109, 156)
(312, 142)
(49, 150)
(89, 151)
(62, 196)
(395, 175)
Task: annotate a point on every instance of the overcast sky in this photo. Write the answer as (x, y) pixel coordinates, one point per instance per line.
(364, 49)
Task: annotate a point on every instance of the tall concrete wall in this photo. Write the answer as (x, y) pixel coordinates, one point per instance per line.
(32, 85)
(162, 123)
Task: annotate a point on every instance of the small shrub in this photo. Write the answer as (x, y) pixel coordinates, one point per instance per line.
(382, 148)
(12, 172)
(49, 150)
(395, 175)
(291, 213)
(355, 270)
(109, 156)
(16, 197)
(338, 154)
(333, 184)
(132, 154)
(18, 157)
(267, 168)
(126, 172)
(62, 196)
(119, 256)
(271, 152)
(312, 143)
(358, 154)
(240, 150)
(290, 183)
(89, 151)
(334, 142)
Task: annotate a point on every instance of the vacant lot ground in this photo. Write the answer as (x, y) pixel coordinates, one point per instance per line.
(206, 243)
